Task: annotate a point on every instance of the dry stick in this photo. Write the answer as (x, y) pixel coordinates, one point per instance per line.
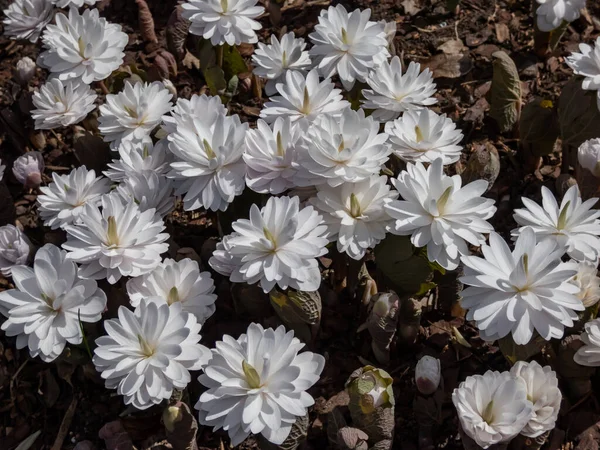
(65, 425)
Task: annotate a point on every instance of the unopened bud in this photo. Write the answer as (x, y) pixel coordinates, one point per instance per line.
(589, 156)
(24, 71)
(428, 374)
(28, 169)
(170, 87)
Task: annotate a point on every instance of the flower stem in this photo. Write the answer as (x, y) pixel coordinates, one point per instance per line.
(219, 51)
(103, 87)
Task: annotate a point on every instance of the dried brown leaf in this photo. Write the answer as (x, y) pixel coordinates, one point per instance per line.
(146, 22)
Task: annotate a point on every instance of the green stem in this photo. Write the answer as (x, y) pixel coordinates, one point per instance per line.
(220, 50)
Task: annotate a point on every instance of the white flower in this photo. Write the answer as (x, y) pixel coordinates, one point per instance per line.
(348, 44)
(1, 170)
(177, 281)
(393, 93)
(24, 71)
(278, 245)
(28, 169)
(428, 374)
(589, 353)
(82, 46)
(257, 384)
(202, 107)
(543, 392)
(208, 158)
(76, 3)
(303, 96)
(149, 353)
(224, 21)
(440, 213)
(522, 291)
(274, 60)
(25, 19)
(588, 155)
(587, 64)
(271, 155)
(132, 115)
(64, 199)
(346, 148)
(424, 136)
(573, 224)
(354, 213)
(551, 13)
(138, 157)
(62, 104)
(50, 302)
(119, 241)
(492, 407)
(149, 191)
(588, 282)
(14, 248)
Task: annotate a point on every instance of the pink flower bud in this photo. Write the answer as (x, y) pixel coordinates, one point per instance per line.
(24, 71)
(28, 169)
(428, 374)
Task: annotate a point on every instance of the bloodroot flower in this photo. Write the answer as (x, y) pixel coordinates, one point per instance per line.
(574, 224)
(588, 282)
(149, 191)
(519, 292)
(14, 248)
(50, 302)
(257, 384)
(177, 281)
(492, 407)
(224, 21)
(587, 64)
(28, 169)
(62, 104)
(551, 13)
(589, 354)
(139, 158)
(588, 155)
(393, 92)
(278, 245)
(82, 46)
(25, 19)
(64, 199)
(149, 353)
(543, 392)
(76, 3)
(440, 213)
(119, 241)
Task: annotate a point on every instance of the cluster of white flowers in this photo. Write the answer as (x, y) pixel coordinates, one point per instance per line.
(551, 14)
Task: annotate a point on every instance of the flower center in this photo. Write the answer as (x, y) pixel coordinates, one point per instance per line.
(81, 45)
(524, 288)
(354, 206)
(562, 217)
(443, 200)
(419, 134)
(146, 349)
(284, 59)
(280, 147)
(112, 236)
(208, 149)
(488, 413)
(344, 36)
(306, 102)
(252, 377)
(49, 300)
(270, 237)
(173, 296)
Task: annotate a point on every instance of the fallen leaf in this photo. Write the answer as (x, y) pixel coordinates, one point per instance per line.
(502, 32)
(452, 47)
(448, 66)
(115, 437)
(411, 7)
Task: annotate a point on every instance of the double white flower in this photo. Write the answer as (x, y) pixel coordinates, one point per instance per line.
(589, 353)
(14, 248)
(25, 19)
(588, 156)
(587, 64)
(138, 158)
(551, 13)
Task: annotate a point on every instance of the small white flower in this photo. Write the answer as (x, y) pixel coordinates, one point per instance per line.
(274, 60)
(208, 158)
(522, 291)
(551, 13)
(149, 191)
(25, 19)
(425, 136)
(303, 96)
(149, 353)
(589, 353)
(119, 241)
(82, 46)
(278, 245)
(354, 213)
(428, 374)
(132, 115)
(14, 248)
(28, 169)
(224, 21)
(24, 70)
(573, 224)
(50, 302)
(202, 107)
(62, 104)
(440, 213)
(588, 282)
(543, 393)
(75, 3)
(393, 92)
(271, 155)
(346, 148)
(257, 384)
(587, 64)
(138, 157)
(63, 200)
(348, 44)
(492, 407)
(588, 155)
(177, 281)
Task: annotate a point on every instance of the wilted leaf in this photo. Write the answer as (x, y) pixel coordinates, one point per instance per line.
(411, 7)
(483, 164)
(335, 422)
(300, 311)
(177, 32)
(538, 126)
(115, 437)
(181, 427)
(513, 352)
(146, 22)
(578, 114)
(296, 437)
(92, 152)
(505, 93)
(349, 438)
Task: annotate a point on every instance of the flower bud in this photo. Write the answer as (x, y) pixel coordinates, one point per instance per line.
(588, 282)
(589, 156)
(428, 374)
(24, 71)
(14, 248)
(28, 169)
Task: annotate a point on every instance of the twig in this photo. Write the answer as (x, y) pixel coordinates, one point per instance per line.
(65, 425)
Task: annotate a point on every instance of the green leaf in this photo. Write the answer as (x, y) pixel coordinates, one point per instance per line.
(505, 93)
(539, 126)
(215, 78)
(578, 114)
(513, 352)
(233, 62)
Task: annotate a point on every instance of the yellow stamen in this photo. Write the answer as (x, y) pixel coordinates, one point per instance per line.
(146, 349)
(270, 236)
(344, 36)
